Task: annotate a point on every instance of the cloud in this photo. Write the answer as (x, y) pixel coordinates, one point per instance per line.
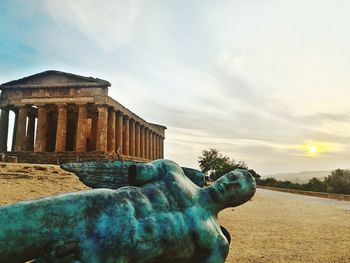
(253, 79)
(110, 24)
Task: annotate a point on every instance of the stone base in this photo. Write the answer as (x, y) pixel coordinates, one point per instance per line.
(65, 157)
(11, 159)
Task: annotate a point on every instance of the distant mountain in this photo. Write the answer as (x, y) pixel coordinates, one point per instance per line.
(301, 177)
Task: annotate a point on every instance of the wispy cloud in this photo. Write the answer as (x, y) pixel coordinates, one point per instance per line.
(109, 24)
(257, 80)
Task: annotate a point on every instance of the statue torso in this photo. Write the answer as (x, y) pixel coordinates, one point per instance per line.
(162, 222)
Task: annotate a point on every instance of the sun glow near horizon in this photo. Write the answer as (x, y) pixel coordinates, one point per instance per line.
(315, 149)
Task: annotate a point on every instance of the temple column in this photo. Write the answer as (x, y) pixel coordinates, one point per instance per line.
(158, 147)
(155, 150)
(4, 126)
(94, 123)
(80, 140)
(154, 146)
(132, 137)
(151, 145)
(162, 147)
(111, 132)
(101, 140)
(61, 130)
(142, 141)
(137, 139)
(146, 143)
(30, 132)
(119, 132)
(20, 142)
(126, 134)
(41, 129)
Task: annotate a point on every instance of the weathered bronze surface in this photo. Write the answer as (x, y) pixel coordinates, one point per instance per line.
(114, 174)
(167, 219)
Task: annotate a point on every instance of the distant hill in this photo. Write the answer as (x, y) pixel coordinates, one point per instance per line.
(300, 177)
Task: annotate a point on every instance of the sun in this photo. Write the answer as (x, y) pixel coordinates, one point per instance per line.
(313, 149)
(317, 148)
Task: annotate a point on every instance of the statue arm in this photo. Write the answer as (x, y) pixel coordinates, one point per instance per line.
(114, 174)
(144, 173)
(141, 174)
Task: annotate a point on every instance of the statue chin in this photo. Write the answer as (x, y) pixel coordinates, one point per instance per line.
(226, 234)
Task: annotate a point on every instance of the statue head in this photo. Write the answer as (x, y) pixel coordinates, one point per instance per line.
(233, 188)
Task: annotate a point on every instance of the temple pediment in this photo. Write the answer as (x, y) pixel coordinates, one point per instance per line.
(53, 78)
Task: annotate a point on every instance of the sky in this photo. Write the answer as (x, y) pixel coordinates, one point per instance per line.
(264, 82)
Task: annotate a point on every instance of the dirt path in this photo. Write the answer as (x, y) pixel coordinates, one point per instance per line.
(281, 227)
(273, 227)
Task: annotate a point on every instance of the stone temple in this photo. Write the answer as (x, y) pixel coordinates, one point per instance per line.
(61, 117)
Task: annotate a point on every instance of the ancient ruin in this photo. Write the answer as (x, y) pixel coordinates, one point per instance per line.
(62, 117)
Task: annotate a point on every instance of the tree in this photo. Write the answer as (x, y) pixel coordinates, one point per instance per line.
(215, 164)
(338, 182)
(269, 181)
(254, 174)
(210, 161)
(316, 185)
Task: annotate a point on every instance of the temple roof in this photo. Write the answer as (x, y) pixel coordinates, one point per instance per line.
(55, 79)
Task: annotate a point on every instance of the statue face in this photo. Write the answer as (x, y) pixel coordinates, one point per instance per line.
(234, 188)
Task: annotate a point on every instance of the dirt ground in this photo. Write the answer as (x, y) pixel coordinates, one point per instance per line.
(281, 227)
(28, 181)
(273, 227)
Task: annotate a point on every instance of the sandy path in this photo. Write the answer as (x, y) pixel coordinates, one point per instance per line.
(273, 227)
(281, 227)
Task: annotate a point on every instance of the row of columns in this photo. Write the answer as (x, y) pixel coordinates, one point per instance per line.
(133, 139)
(111, 130)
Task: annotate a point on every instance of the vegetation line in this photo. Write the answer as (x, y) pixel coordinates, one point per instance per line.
(338, 182)
(214, 165)
(309, 193)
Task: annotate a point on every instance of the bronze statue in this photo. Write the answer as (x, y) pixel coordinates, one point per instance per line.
(164, 218)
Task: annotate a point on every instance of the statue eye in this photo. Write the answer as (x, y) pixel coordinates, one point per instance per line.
(233, 177)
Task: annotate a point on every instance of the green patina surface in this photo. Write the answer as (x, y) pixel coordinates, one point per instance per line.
(167, 219)
(115, 174)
